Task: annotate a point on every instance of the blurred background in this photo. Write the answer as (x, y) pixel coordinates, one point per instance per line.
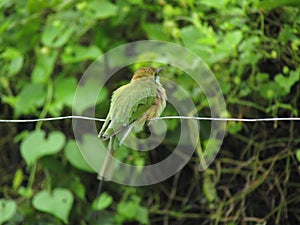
(251, 46)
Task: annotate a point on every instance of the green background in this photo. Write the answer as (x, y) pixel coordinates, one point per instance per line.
(252, 47)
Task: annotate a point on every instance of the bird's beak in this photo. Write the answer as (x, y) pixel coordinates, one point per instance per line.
(158, 70)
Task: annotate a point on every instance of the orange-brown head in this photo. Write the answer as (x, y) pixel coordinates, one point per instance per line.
(146, 72)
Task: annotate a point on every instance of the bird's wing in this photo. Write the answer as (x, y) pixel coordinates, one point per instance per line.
(129, 103)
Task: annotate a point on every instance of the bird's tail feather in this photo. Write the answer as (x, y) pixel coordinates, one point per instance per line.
(107, 168)
(125, 135)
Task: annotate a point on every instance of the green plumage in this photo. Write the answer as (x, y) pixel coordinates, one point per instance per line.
(128, 104)
(132, 105)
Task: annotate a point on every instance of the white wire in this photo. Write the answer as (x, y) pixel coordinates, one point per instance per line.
(159, 118)
(229, 119)
(50, 119)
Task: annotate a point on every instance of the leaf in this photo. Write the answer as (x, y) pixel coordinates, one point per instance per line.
(200, 42)
(25, 192)
(77, 53)
(155, 31)
(64, 90)
(298, 155)
(249, 51)
(262, 77)
(35, 145)
(102, 202)
(16, 60)
(234, 127)
(288, 107)
(218, 4)
(92, 149)
(85, 96)
(63, 94)
(56, 37)
(101, 9)
(52, 164)
(58, 203)
(228, 46)
(75, 157)
(286, 34)
(126, 210)
(44, 66)
(77, 187)
(268, 5)
(36, 6)
(31, 97)
(8, 209)
(15, 65)
(10, 53)
(18, 179)
(142, 215)
(209, 187)
(59, 29)
(132, 210)
(269, 90)
(287, 82)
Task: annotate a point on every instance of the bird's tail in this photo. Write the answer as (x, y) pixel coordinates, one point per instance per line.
(106, 171)
(107, 168)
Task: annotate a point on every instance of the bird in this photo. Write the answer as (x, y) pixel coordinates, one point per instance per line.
(132, 106)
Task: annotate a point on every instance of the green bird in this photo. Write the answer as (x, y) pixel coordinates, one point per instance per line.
(132, 105)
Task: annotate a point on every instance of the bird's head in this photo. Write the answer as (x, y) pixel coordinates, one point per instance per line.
(146, 72)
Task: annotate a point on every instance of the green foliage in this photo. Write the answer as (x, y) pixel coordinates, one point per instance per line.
(74, 156)
(298, 155)
(252, 47)
(14, 60)
(131, 211)
(209, 189)
(102, 202)
(8, 209)
(269, 4)
(57, 203)
(35, 146)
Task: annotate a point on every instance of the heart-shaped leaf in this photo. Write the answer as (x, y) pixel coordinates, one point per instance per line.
(102, 202)
(57, 203)
(35, 145)
(8, 208)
